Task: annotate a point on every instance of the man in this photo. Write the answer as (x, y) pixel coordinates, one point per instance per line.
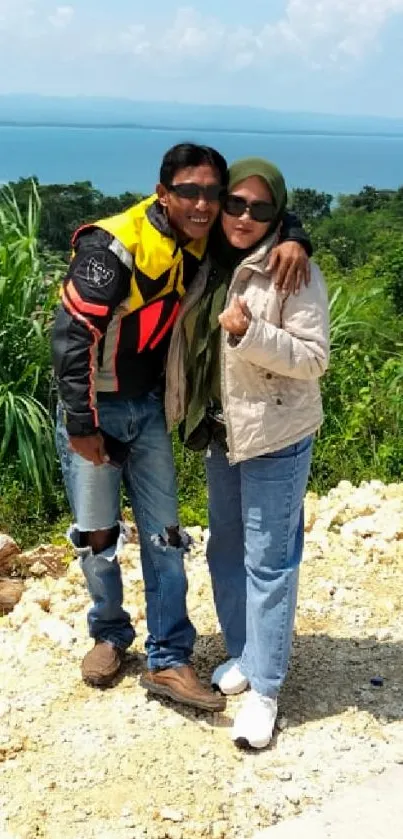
(120, 299)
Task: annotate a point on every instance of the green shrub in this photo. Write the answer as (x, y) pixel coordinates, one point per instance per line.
(362, 434)
(191, 484)
(31, 517)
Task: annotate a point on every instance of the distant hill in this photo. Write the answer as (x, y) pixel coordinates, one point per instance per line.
(26, 109)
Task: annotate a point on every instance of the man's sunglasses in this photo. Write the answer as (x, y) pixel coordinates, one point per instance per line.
(211, 192)
(235, 205)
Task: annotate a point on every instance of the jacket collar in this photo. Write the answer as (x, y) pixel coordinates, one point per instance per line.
(156, 216)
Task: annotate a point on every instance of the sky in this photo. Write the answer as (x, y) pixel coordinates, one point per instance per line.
(325, 56)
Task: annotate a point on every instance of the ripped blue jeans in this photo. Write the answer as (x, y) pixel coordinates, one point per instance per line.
(148, 475)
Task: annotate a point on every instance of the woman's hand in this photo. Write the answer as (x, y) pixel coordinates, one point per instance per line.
(290, 263)
(237, 317)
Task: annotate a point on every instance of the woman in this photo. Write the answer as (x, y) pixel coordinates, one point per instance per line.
(257, 402)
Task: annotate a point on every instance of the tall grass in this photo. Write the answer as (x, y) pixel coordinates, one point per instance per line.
(27, 298)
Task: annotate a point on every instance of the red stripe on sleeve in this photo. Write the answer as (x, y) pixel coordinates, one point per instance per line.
(95, 336)
(73, 312)
(82, 305)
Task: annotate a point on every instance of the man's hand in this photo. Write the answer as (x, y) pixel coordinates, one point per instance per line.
(290, 263)
(91, 448)
(236, 318)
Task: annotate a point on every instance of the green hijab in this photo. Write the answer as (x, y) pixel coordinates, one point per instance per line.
(250, 167)
(203, 364)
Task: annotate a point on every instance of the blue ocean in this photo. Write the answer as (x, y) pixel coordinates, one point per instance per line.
(120, 159)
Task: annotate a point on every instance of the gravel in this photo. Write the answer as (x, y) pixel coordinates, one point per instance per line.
(78, 762)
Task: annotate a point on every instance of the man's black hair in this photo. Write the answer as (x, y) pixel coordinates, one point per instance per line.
(185, 155)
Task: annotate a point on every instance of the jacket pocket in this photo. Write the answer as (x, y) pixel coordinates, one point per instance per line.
(291, 394)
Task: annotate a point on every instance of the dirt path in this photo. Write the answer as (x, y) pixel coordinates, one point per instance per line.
(79, 763)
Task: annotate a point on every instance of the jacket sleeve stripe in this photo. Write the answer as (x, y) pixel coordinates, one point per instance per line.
(92, 389)
(77, 233)
(82, 305)
(115, 355)
(96, 335)
(73, 312)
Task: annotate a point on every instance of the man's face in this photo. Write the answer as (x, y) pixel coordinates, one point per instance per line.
(192, 201)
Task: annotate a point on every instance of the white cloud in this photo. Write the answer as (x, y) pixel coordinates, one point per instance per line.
(31, 21)
(314, 33)
(331, 30)
(135, 40)
(318, 32)
(61, 17)
(189, 36)
(15, 14)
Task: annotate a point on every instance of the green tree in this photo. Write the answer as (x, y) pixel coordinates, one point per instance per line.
(66, 206)
(310, 205)
(371, 199)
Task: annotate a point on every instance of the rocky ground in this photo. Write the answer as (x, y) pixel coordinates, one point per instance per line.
(77, 762)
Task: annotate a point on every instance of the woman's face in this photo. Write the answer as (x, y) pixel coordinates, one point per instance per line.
(241, 230)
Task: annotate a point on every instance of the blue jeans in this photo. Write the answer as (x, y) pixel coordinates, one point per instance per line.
(148, 474)
(256, 541)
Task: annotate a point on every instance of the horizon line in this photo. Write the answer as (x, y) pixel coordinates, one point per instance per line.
(101, 96)
(312, 132)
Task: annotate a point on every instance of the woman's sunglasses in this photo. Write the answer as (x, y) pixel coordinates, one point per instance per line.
(191, 191)
(235, 205)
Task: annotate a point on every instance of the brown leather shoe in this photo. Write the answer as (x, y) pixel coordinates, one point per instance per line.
(182, 685)
(100, 665)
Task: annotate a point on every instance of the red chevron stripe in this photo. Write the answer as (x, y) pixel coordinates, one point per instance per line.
(149, 318)
(166, 326)
(83, 305)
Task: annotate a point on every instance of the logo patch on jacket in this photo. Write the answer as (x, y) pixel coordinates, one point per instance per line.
(96, 273)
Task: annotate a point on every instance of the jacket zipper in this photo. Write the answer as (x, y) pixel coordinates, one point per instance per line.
(248, 263)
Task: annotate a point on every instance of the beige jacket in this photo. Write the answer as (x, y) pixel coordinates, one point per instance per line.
(269, 379)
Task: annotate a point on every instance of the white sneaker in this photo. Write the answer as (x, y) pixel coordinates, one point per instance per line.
(254, 723)
(229, 678)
